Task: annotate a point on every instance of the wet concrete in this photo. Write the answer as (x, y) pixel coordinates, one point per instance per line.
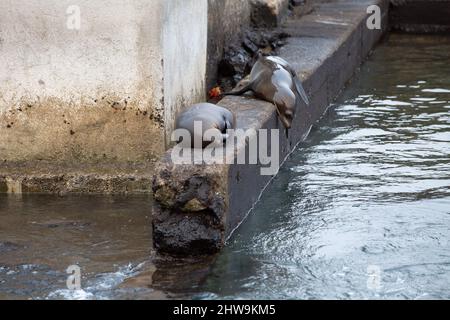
(325, 48)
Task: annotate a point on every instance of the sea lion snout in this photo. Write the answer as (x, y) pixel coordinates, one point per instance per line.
(287, 119)
(285, 101)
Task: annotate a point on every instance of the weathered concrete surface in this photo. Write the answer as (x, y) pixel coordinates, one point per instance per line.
(269, 13)
(301, 7)
(79, 94)
(51, 178)
(227, 22)
(184, 42)
(198, 206)
(106, 92)
(420, 16)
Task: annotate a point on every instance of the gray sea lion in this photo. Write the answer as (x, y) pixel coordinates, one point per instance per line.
(211, 116)
(274, 80)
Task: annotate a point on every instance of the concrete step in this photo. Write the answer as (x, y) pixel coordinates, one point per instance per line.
(102, 178)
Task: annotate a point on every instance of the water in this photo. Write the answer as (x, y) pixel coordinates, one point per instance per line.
(360, 210)
(41, 236)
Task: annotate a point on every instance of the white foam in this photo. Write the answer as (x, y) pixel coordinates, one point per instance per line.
(438, 90)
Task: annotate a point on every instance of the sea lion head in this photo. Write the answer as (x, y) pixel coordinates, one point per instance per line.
(285, 102)
(228, 123)
(210, 116)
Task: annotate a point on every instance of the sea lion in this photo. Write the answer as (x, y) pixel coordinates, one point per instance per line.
(274, 80)
(211, 116)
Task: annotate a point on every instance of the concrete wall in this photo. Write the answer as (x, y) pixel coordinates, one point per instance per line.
(110, 90)
(184, 47)
(227, 20)
(107, 91)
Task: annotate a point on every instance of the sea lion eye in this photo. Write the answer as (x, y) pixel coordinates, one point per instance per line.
(289, 114)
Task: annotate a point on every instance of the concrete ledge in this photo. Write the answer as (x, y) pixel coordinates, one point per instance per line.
(197, 207)
(53, 178)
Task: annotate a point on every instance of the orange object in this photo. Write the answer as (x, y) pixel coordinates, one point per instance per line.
(215, 92)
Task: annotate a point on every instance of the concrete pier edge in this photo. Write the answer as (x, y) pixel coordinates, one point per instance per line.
(197, 207)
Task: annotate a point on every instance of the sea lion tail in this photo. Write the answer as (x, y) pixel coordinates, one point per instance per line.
(245, 89)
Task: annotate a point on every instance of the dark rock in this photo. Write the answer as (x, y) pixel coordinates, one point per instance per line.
(189, 209)
(250, 46)
(183, 235)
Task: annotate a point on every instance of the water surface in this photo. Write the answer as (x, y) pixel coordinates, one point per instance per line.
(41, 236)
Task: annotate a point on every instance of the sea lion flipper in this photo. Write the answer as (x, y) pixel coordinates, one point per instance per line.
(300, 90)
(298, 84)
(248, 87)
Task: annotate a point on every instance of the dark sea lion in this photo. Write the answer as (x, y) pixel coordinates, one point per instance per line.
(211, 116)
(274, 80)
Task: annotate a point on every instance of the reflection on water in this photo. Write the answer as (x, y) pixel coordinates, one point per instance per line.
(362, 209)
